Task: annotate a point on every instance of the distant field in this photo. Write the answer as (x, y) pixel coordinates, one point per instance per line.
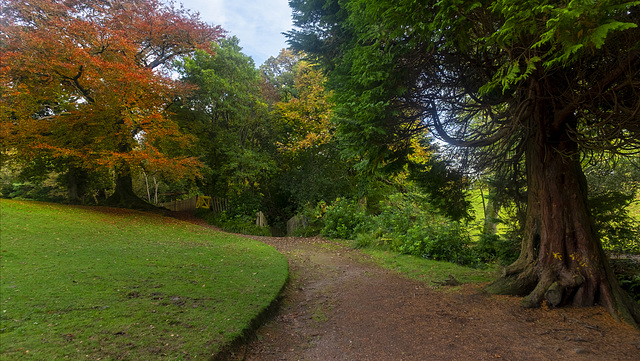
(477, 207)
(478, 211)
(105, 284)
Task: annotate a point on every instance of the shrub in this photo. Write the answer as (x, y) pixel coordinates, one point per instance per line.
(233, 224)
(444, 241)
(409, 225)
(617, 228)
(491, 248)
(314, 217)
(45, 191)
(400, 213)
(631, 284)
(406, 224)
(344, 219)
(628, 273)
(373, 239)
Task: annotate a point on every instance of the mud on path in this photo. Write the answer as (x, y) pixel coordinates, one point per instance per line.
(339, 305)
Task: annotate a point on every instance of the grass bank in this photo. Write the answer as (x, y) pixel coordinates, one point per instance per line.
(106, 284)
(429, 271)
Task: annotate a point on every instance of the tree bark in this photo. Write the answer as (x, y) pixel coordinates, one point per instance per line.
(76, 179)
(490, 213)
(123, 195)
(146, 183)
(560, 246)
(155, 189)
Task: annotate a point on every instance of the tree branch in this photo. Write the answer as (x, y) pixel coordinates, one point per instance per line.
(503, 132)
(75, 81)
(599, 87)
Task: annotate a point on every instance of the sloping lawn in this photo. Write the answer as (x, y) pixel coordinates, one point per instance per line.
(109, 284)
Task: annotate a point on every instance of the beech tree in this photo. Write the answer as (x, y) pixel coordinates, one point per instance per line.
(550, 82)
(87, 83)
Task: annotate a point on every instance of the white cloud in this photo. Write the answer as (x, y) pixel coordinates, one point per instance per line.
(257, 23)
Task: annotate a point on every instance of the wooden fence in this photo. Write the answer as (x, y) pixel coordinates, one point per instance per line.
(219, 205)
(213, 203)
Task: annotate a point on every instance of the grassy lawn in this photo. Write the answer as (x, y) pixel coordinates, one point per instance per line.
(430, 271)
(107, 284)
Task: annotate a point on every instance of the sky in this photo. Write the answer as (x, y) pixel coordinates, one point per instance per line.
(257, 23)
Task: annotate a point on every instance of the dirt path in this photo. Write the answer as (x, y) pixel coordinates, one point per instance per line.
(339, 305)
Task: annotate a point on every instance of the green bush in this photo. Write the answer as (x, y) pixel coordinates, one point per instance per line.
(344, 219)
(618, 230)
(314, 215)
(399, 213)
(445, 241)
(628, 273)
(492, 248)
(408, 224)
(233, 224)
(631, 284)
(29, 190)
(373, 239)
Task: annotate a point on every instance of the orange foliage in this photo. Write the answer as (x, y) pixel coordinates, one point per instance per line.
(90, 80)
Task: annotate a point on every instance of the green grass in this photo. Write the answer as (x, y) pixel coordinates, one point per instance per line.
(477, 209)
(430, 271)
(107, 284)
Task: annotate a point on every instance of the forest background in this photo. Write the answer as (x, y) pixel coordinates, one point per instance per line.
(132, 103)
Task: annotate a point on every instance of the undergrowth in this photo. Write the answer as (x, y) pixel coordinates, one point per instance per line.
(407, 224)
(241, 224)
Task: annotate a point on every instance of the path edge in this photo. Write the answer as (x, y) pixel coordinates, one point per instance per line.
(232, 349)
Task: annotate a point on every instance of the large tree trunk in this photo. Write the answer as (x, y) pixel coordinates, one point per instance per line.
(76, 180)
(561, 259)
(124, 196)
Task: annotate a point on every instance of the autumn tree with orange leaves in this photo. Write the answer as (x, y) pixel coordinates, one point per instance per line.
(86, 85)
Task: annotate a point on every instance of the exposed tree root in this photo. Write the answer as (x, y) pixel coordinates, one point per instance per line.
(514, 284)
(558, 289)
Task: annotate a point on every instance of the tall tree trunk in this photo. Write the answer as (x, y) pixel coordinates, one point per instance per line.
(76, 179)
(146, 183)
(156, 184)
(561, 259)
(490, 213)
(123, 195)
